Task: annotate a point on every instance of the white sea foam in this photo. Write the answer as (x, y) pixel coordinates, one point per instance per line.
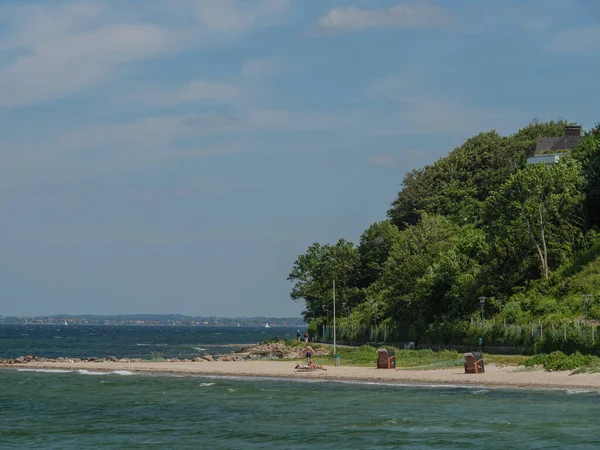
(46, 370)
(199, 349)
(123, 372)
(206, 384)
(580, 391)
(480, 392)
(114, 372)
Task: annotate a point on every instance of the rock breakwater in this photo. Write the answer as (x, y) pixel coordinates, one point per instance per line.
(271, 350)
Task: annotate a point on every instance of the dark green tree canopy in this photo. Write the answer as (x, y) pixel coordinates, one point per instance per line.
(479, 222)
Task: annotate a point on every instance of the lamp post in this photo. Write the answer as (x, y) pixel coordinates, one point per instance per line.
(334, 341)
(586, 300)
(482, 303)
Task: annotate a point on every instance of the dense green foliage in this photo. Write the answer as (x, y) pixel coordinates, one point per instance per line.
(479, 222)
(559, 361)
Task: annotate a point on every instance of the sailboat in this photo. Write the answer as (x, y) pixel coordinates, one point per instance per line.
(267, 325)
(66, 322)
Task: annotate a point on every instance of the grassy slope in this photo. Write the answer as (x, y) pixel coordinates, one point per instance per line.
(560, 297)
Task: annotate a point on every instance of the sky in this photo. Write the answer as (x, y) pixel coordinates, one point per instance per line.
(177, 156)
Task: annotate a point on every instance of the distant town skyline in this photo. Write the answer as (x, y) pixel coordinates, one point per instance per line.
(178, 156)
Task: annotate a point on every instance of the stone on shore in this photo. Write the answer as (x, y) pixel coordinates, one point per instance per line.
(280, 350)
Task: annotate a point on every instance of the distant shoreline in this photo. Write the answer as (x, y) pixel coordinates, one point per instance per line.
(495, 376)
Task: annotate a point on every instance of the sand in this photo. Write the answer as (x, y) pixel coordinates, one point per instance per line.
(498, 376)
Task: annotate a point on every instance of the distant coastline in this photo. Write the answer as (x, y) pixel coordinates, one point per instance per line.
(153, 319)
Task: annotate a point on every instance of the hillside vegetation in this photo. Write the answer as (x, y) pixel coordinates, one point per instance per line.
(480, 222)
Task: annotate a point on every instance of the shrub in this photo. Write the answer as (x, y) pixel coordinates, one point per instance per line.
(556, 361)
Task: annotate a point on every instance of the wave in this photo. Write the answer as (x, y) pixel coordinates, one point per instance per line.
(114, 372)
(152, 345)
(480, 392)
(46, 370)
(199, 349)
(206, 384)
(581, 391)
(418, 385)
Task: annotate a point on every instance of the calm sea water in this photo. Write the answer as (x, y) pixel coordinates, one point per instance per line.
(86, 409)
(78, 341)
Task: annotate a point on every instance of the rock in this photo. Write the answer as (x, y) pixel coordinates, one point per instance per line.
(279, 350)
(110, 358)
(207, 357)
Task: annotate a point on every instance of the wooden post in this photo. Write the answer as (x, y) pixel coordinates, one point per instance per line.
(541, 331)
(592, 334)
(565, 330)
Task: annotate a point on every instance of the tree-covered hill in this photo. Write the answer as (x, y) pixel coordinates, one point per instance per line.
(481, 222)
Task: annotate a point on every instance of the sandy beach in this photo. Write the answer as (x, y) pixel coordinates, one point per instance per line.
(498, 376)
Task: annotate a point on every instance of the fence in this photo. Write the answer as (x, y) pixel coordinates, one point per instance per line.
(567, 336)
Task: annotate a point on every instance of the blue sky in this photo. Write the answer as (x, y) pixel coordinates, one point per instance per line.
(176, 156)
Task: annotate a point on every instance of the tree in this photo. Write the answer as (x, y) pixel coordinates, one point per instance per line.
(411, 200)
(412, 253)
(314, 272)
(374, 249)
(542, 203)
(450, 285)
(588, 154)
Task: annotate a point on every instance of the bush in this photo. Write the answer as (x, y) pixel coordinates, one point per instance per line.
(556, 361)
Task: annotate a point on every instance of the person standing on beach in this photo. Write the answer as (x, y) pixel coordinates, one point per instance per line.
(298, 335)
(309, 352)
(306, 337)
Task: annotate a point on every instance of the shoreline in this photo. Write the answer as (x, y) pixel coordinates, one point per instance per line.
(495, 376)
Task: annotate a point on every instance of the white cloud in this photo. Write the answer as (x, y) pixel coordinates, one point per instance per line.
(54, 49)
(577, 41)
(68, 64)
(418, 14)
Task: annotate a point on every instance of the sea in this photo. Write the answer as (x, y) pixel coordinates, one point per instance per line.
(72, 409)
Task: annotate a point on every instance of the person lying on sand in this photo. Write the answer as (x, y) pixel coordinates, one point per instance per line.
(310, 366)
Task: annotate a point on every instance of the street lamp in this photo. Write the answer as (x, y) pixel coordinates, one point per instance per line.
(482, 303)
(586, 300)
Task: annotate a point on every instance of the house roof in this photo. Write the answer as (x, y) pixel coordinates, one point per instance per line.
(556, 143)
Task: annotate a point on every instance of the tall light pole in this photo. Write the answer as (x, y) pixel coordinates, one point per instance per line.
(586, 300)
(334, 342)
(482, 303)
